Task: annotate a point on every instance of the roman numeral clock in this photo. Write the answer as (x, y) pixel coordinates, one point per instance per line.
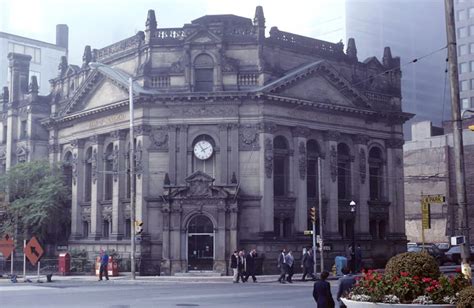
(203, 150)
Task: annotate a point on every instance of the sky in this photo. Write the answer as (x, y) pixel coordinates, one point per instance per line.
(103, 22)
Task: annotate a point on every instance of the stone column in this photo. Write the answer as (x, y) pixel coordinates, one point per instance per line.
(176, 260)
(233, 146)
(223, 161)
(165, 260)
(266, 178)
(300, 161)
(221, 244)
(233, 213)
(119, 182)
(361, 181)
(97, 186)
(395, 187)
(181, 157)
(77, 190)
(330, 174)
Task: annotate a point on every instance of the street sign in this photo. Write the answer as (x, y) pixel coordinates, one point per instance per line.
(308, 232)
(433, 199)
(33, 251)
(425, 215)
(7, 246)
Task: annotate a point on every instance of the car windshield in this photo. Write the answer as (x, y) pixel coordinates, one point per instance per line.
(455, 249)
(414, 249)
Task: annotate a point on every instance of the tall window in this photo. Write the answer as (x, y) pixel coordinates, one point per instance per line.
(343, 172)
(88, 176)
(280, 166)
(23, 129)
(85, 228)
(128, 226)
(67, 170)
(375, 173)
(312, 150)
(105, 228)
(203, 73)
(109, 162)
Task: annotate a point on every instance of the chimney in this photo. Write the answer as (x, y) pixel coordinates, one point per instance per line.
(62, 36)
(387, 57)
(19, 65)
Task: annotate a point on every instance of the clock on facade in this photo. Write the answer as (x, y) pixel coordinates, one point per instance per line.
(203, 150)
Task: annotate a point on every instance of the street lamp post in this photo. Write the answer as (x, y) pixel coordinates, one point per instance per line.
(353, 253)
(126, 80)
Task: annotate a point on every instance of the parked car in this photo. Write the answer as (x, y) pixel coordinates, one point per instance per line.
(433, 250)
(444, 247)
(454, 254)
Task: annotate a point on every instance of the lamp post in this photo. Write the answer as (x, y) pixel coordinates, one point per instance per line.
(127, 81)
(353, 254)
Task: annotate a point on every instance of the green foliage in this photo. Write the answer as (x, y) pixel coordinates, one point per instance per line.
(466, 298)
(37, 200)
(419, 264)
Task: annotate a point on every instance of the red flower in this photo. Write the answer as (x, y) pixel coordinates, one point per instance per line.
(416, 277)
(406, 285)
(426, 279)
(404, 274)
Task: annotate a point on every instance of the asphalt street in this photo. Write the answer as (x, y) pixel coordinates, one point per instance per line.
(127, 294)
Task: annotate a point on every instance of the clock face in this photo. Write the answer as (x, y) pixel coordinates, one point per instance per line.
(203, 150)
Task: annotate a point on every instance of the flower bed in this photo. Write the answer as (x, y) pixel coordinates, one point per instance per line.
(403, 287)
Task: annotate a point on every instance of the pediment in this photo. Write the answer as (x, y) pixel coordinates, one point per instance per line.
(374, 63)
(199, 176)
(104, 94)
(203, 37)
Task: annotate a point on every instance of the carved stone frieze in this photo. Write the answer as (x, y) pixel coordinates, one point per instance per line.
(200, 111)
(249, 138)
(332, 135)
(300, 131)
(362, 165)
(333, 162)
(159, 138)
(361, 139)
(268, 157)
(302, 160)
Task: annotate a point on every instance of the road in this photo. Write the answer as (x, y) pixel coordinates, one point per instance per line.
(127, 294)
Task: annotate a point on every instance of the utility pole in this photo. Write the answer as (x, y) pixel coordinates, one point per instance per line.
(132, 180)
(457, 136)
(320, 210)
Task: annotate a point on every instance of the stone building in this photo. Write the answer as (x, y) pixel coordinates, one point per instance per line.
(227, 138)
(429, 170)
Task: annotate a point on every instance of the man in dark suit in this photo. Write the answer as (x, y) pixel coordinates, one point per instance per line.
(322, 292)
(346, 283)
(250, 259)
(234, 262)
(282, 266)
(308, 264)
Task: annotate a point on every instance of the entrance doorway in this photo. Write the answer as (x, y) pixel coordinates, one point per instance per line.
(200, 244)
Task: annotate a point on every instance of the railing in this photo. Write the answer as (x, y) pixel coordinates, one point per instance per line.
(378, 97)
(250, 79)
(160, 81)
(316, 45)
(169, 33)
(129, 43)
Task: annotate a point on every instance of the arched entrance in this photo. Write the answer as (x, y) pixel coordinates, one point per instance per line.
(200, 244)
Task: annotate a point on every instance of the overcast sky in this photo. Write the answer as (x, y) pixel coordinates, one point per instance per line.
(102, 22)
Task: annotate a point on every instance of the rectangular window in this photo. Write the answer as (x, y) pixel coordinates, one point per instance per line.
(462, 32)
(23, 129)
(463, 67)
(461, 15)
(204, 79)
(464, 103)
(34, 52)
(462, 50)
(464, 85)
(128, 227)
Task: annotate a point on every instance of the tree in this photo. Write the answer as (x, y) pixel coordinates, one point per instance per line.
(38, 201)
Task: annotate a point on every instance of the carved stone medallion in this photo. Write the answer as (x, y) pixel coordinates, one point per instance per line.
(248, 137)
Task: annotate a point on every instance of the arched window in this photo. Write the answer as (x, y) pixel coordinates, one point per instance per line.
(343, 172)
(375, 173)
(280, 166)
(67, 169)
(207, 165)
(312, 150)
(108, 166)
(203, 73)
(200, 224)
(88, 176)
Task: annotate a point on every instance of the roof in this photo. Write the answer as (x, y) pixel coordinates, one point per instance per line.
(224, 18)
(26, 40)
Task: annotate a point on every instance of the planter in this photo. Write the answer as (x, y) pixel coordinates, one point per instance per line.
(354, 304)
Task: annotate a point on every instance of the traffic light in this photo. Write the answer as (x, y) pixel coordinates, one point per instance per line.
(138, 227)
(312, 214)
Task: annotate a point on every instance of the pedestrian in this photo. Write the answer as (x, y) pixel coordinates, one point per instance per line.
(104, 262)
(350, 258)
(241, 265)
(234, 261)
(251, 266)
(346, 283)
(322, 292)
(282, 265)
(358, 258)
(308, 265)
(290, 261)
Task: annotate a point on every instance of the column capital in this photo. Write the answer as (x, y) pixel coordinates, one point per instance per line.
(97, 139)
(77, 143)
(119, 134)
(141, 130)
(300, 131)
(268, 127)
(361, 139)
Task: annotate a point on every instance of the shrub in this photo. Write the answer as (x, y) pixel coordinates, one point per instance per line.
(466, 298)
(419, 264)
